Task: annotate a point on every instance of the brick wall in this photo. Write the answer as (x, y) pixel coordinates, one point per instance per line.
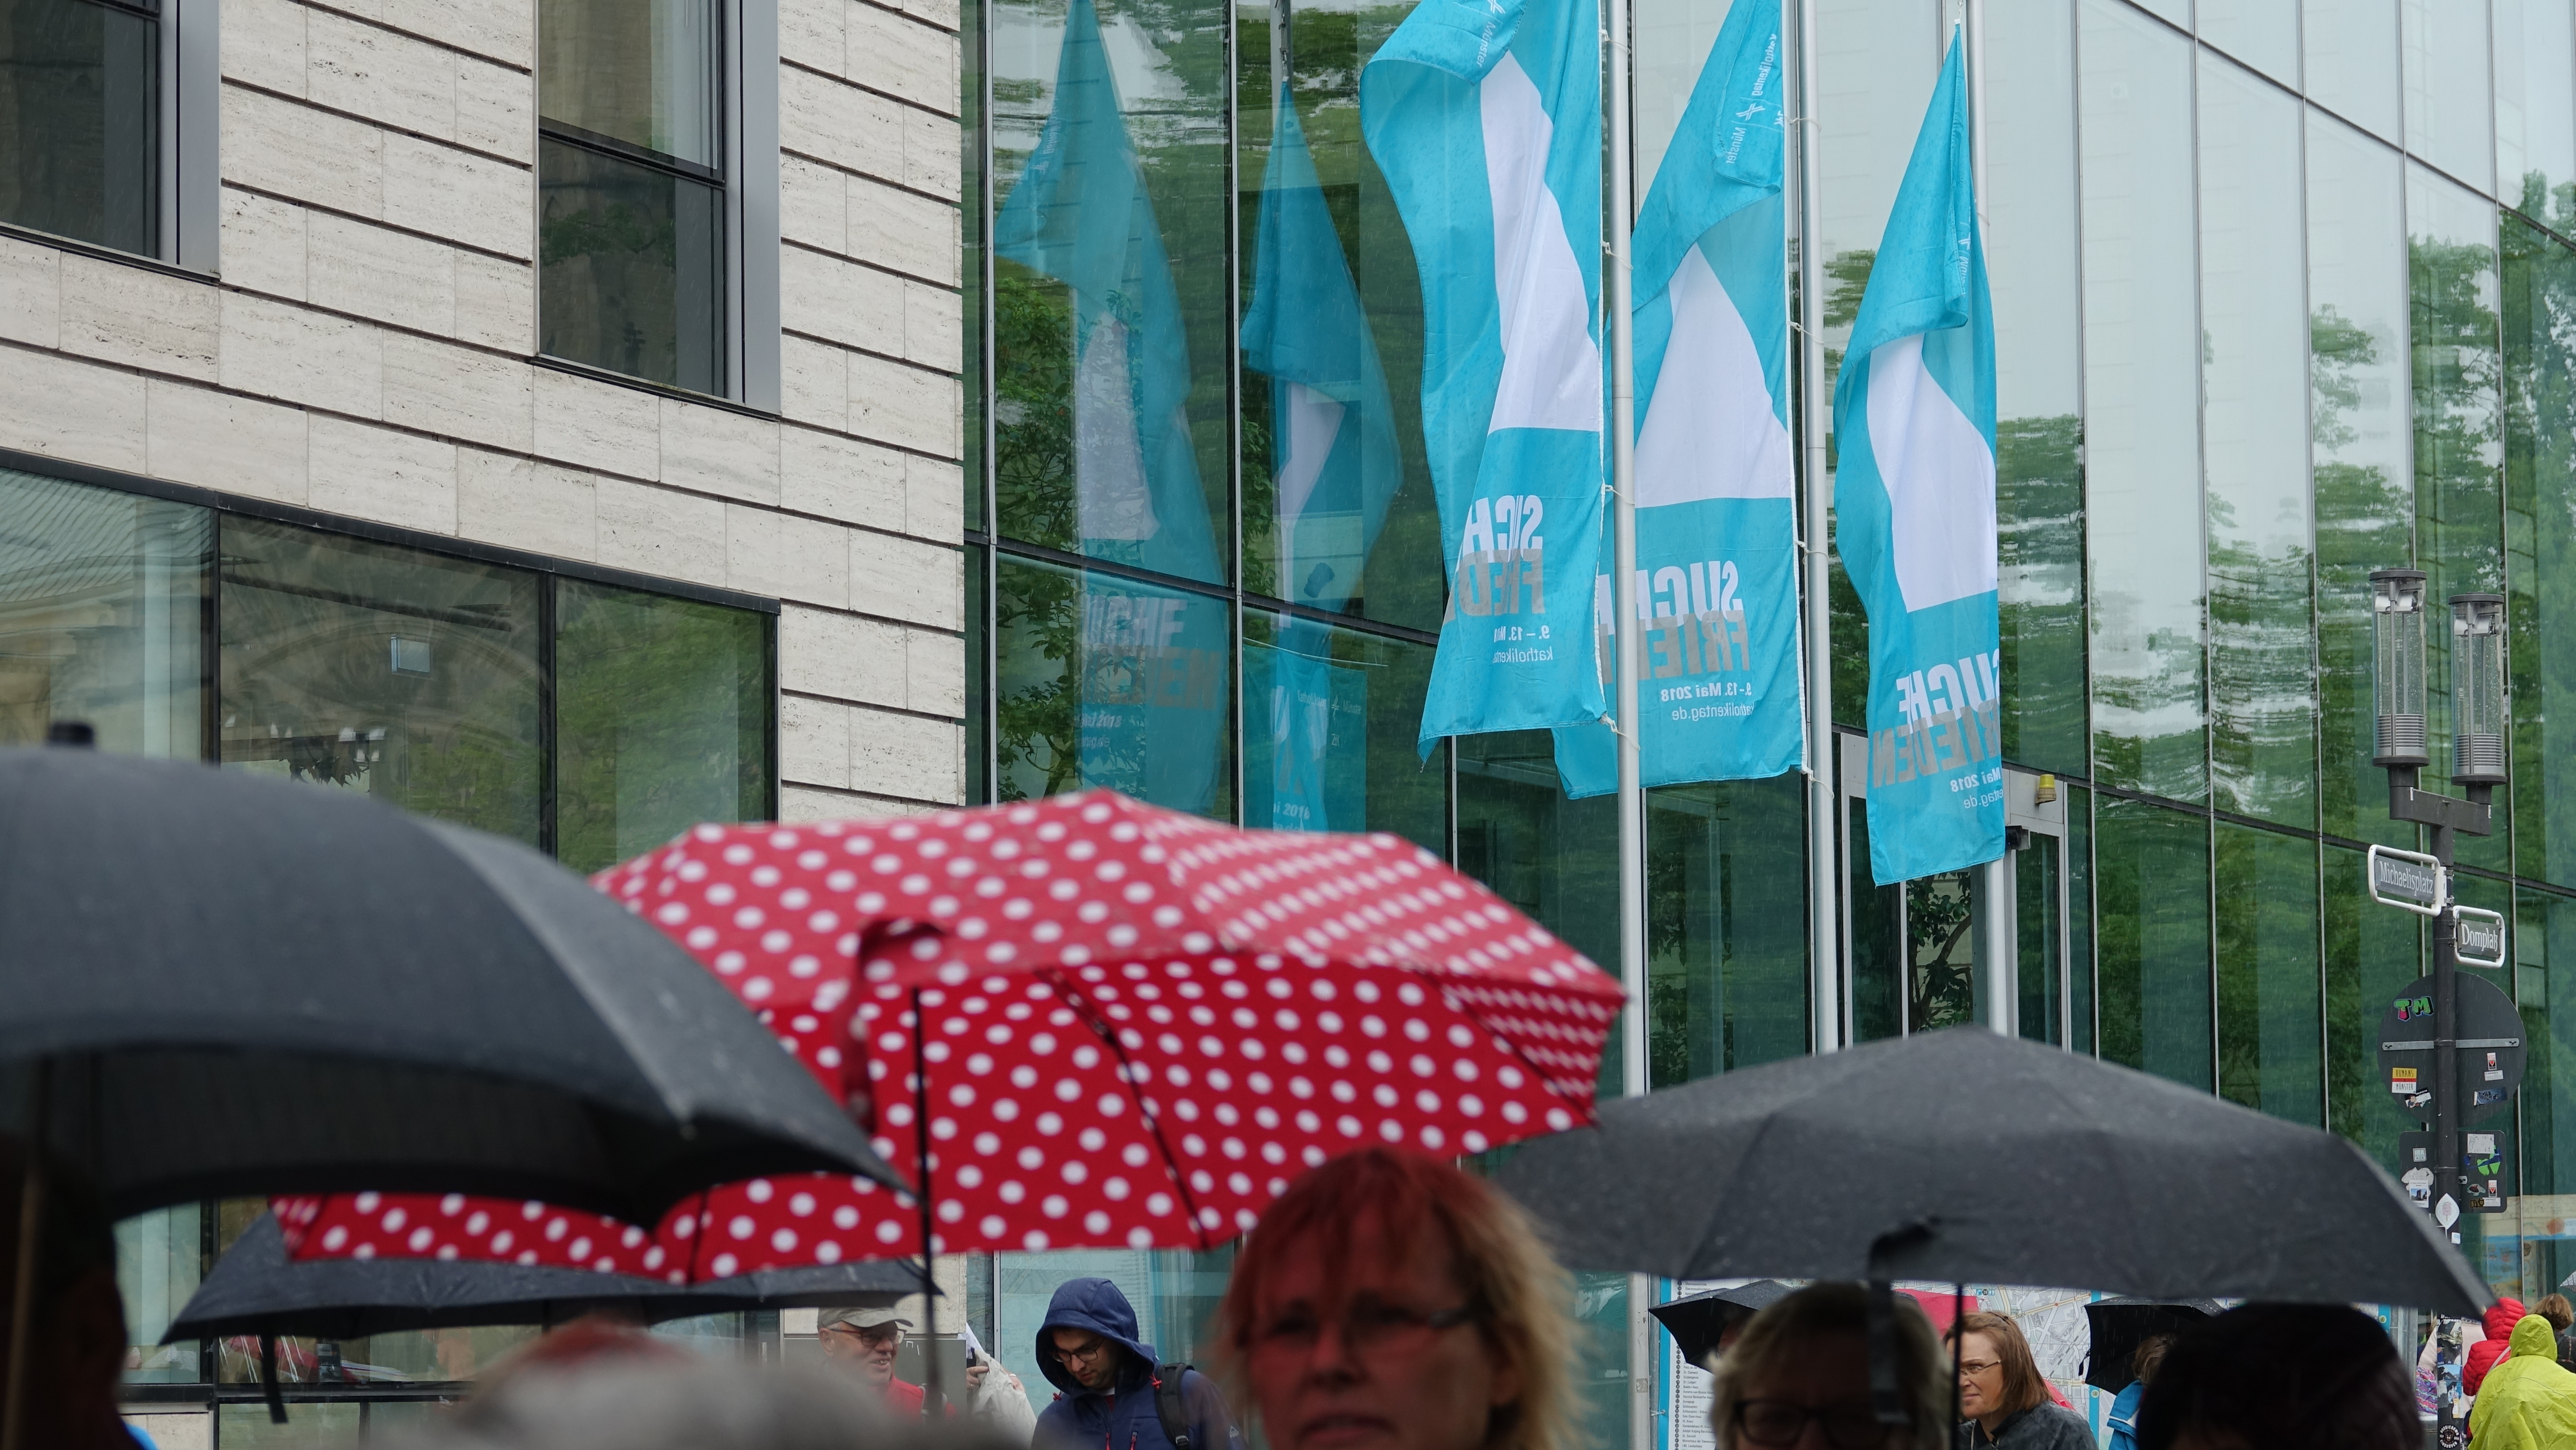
(366, 351)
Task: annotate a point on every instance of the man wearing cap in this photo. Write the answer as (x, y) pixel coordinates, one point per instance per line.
(867, 1340)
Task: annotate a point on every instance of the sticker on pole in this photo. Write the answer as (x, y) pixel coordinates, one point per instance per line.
(2489, 1047)
(2409, 881)
(2481, 937)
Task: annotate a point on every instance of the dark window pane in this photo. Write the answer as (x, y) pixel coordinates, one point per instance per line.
(2545, 945)
(1329, 730)
(661, 720)
(642, 71)
(1941, 945)
(80, 86)
(1106, 683)
(2268, 1027)
(2372, 952)
(2540, 547)
(407, 675)
(2153, 867)
(1877, 932)
(1726, 940)
(979, 720)
(102, 599)
(2038, 872)
(631, 268)
(1554, 858)
(2079, 916)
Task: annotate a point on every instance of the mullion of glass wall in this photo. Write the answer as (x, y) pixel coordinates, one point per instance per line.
(2142, 347)
(2262, 688)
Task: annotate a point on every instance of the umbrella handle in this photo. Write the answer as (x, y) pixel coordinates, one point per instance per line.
(931, 1397)
(268, 1378)
(31, 1213)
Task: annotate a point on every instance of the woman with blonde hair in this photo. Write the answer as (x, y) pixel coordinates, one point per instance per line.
(1798, 1378)
(1388, 1301)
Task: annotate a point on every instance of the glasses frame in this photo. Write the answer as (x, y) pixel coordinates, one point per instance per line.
(1810, 1415)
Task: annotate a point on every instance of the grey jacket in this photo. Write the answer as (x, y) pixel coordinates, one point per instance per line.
(2048, 1426)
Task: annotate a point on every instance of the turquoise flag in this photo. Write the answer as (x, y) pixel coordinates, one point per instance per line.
(1718, 697)
(1334, 462)
(1152, 668)
(1485, 116)
(1914, 502)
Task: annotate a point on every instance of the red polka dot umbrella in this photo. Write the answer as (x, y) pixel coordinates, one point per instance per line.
(1136, 1026)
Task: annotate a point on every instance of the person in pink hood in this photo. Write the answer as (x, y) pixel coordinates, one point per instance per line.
(2502, 1316)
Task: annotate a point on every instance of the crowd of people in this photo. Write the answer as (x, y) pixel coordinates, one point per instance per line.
(1389, 1301)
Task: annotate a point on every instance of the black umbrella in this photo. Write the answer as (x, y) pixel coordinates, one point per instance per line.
(228, 985)
(1698, 1321)
(1965, 1155)
(2120, 1325)
(256, 1289)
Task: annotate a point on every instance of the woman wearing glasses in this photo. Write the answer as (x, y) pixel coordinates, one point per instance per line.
(1798, 1378)
(2002, 1395)
(1388, 1301)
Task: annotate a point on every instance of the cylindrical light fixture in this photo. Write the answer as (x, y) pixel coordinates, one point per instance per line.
(2397, 665)
(2477, 689)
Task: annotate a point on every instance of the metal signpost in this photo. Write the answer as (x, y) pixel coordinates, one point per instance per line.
(2425, 1069)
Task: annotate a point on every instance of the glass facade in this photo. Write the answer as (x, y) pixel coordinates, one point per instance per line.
(2281, 295)
(580, 715)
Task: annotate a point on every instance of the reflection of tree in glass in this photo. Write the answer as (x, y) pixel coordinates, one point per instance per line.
(1033, 406)
(2540, 517)
(2039, 519)
(1037, 619)
(1941, 979)
(2364, 521)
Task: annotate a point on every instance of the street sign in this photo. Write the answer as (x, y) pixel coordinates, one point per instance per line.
(2481, 937)
(2490, 1043)
(2409, 881)
(2481, 1169)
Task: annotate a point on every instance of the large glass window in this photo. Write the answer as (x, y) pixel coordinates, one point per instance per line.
(661, 720)
(1101, 681)
(2372, 953)
(2535, 78)
(631, 209)
(2540, 535)
(2142, 343)
(1330, 718)
(2262, 33)
(2544, 941)
(2269, 1034)
(80, 84)
(2358, 430)
(2254, 325)
(2459, 504)
(2031, 255)
(1726, 958)
(1113, 342)
(2351, 48)
(2450, 118)
(2152, 879)
(102, 604)
(406, 675)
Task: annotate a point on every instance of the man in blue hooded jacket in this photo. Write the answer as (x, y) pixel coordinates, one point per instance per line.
(1110, 1400)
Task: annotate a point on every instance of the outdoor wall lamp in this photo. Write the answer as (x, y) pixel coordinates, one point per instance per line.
(2477, 689)
(2397, 665)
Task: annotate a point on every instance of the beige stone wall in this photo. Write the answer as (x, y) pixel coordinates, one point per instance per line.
(366, 351)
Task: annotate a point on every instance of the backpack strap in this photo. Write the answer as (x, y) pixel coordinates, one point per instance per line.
(1168, 1406)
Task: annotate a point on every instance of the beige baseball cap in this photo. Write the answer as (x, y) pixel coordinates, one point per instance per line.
(861, 1319)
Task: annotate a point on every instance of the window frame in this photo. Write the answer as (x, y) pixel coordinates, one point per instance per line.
(746, 184)
(187, 143)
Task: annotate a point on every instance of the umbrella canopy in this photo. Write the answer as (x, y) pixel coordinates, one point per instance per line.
(1965, 1155)
(229, 985)
(1140, 1026)
(255, 1289)
(1697, 1321)
(2120, 1324)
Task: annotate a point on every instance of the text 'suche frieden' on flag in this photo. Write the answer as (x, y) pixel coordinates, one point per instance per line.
(1914, 505)
(1485, 117)
(1718, 692)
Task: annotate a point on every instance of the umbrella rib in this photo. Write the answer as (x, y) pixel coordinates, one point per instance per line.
(1063, 984)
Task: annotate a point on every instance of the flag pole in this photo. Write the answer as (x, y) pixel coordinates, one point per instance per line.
(1824, 796)
(1628, 646)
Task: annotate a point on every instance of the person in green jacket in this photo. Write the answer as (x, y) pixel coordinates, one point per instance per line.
(2527, 1401)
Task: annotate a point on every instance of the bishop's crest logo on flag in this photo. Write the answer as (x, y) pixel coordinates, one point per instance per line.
(1914, 502)
(1718, 694)
(1485, 116)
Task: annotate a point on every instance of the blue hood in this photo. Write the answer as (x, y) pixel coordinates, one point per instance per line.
(1095, 1306)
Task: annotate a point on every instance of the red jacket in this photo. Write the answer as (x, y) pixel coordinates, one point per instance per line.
(2502, 1316)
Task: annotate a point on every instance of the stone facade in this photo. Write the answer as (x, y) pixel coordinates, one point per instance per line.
(366, 351)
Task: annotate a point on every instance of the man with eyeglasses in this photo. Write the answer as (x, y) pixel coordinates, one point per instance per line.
(1115, 1396)
(866, 1341)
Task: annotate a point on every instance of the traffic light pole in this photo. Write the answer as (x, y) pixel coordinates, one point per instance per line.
(2446, 817)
